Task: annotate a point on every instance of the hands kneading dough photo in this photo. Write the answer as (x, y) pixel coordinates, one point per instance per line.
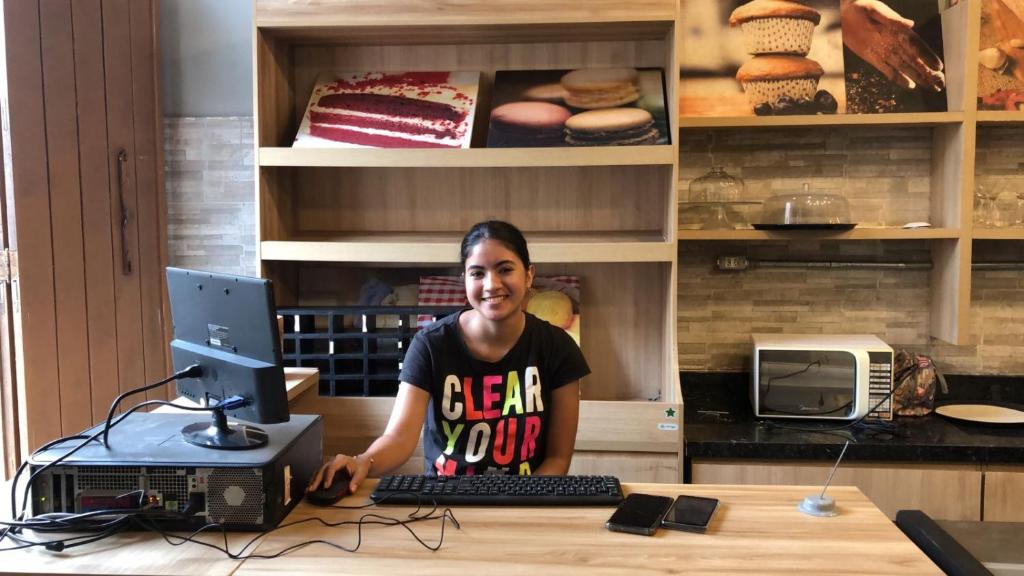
(1001, 56)
(881, 37)
(584, 107)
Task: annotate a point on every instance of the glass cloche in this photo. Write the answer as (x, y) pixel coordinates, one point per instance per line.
(716, 186)
(716, 191)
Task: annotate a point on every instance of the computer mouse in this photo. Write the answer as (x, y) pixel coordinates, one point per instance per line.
(336, 491)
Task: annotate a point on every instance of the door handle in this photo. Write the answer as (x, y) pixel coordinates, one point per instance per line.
(122, 183)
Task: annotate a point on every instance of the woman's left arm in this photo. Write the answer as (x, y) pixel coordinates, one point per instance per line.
(563, 421)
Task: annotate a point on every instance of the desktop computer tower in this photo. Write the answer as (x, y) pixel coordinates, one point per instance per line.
(149, 463)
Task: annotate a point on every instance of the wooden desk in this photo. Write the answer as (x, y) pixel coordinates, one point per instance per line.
(297, 381)
(757, 531)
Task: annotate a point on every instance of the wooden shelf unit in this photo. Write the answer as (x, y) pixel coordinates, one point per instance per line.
(605, 215)
(952, 175)
(906, 119)
(467, 158)
(997, 117)
(438, 249)
(1009, 233)
(859, 233)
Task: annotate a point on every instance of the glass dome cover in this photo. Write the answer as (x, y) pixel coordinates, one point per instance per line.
(716, 186)
(806, 208)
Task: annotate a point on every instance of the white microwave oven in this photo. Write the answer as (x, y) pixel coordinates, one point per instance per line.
(821, 376)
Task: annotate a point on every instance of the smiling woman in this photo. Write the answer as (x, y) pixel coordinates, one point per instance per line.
(494, 388)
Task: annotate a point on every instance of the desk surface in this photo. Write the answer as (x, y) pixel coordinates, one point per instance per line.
(296, 381)
(757, 531)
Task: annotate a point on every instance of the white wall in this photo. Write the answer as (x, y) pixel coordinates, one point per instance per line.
(206, 53)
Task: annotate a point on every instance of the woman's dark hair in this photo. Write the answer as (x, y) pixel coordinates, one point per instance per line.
(503, 232)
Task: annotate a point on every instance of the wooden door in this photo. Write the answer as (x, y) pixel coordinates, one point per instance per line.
(9, 453)
(85, 207)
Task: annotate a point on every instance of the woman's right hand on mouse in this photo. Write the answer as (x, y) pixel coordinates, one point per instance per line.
(358, 467)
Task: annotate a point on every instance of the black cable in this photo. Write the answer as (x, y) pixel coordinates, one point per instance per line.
(846, 426)
(74, 521)
(24, 465)
(768, 387)
(366, 519)
(193, 371)
(146, 518)
(808, 414)
(120, 418)
(99, 520)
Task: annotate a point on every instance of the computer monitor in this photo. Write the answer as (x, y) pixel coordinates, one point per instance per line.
(228, 325)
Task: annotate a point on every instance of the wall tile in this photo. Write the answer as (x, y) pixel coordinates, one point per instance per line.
(211, 194)
(885, 175)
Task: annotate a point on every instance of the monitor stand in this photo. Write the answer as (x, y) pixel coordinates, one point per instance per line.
(223, 436)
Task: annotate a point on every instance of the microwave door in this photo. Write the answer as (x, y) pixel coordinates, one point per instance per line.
(807, 383)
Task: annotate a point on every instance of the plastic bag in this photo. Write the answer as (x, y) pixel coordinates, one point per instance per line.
(914, 381)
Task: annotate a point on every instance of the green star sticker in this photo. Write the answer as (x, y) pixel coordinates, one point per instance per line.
(670, 413)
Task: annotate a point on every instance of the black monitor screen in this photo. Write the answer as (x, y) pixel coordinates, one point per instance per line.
(228, 325)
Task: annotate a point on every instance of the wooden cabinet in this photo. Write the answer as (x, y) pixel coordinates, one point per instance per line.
(329, 218)
(947, 492)
(1003, 488)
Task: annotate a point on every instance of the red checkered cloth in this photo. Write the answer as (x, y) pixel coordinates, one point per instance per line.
(451, 291)
(439, 291)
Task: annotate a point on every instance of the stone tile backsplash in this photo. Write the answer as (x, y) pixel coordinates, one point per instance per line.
(210, 186)
(884, 172)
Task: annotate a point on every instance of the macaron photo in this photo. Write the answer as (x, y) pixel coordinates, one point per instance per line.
(592, 88)
(552, 92)
(527, 124)
(611, 127)
(606, 106)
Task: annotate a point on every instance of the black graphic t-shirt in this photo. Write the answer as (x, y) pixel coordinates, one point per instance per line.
(489, 417)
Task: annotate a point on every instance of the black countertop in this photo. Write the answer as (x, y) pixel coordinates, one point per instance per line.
(719, 423)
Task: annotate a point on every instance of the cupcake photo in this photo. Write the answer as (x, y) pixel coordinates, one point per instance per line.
(774, 78)
(582, 107)
(782, 57)
(776, 26)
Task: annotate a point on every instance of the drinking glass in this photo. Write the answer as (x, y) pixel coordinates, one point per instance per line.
(985, 197)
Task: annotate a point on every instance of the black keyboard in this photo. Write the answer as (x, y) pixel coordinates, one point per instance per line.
(494, 490)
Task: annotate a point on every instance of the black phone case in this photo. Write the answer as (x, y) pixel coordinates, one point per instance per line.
(635, 529)
(698, 528)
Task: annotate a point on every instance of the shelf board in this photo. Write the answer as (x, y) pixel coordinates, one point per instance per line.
(903, 119)
(391, 29)
(1000, 117)
(441, 248)
(859, 233)
(998, 234)
(467, 158)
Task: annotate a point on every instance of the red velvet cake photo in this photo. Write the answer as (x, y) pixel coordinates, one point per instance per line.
(390, 110)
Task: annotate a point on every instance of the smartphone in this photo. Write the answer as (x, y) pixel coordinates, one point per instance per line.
(639, 514)
(690, 513)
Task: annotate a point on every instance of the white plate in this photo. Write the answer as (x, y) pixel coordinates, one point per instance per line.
(984, 413)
